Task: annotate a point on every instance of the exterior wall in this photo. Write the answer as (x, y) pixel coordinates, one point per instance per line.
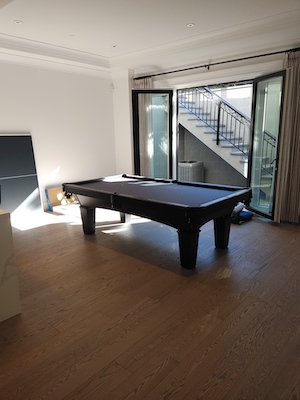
(239, 97)
(216, 170)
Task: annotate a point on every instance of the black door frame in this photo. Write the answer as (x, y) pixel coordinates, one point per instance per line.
(135, 125)
(250, 156)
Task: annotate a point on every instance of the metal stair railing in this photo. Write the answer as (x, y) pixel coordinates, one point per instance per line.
(269, 154)
(228, 123)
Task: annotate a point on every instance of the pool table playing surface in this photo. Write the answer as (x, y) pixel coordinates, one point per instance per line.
(183, 205)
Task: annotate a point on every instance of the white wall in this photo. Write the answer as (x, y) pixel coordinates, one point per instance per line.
(70, 118)
(122, 85)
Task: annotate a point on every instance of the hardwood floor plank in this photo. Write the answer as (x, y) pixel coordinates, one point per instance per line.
(78, 359)
(209, 353)
(144, 380)
(280, 346)
(162, 328)
(185, 342)
(287, 384)
(99, 385)
(251, 342)
(114, 316)
(17, 362)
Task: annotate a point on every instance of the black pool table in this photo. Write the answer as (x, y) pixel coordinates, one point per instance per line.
(183, 205)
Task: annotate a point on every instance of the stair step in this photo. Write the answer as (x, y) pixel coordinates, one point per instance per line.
(200, 123)
(193, 117)
(194, 112)
(225, 143)
(229, 137)
(198, 113)
(235, 142)
(194, 108)
(227, 133)
(244, 159)
(184, 111)
(236, 152)
(221, 139)
(186, 103)
(210, 129)
(198, 116)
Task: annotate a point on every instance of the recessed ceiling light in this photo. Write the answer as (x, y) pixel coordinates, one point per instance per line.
(190, 24)
(114, 46)
(18, 21)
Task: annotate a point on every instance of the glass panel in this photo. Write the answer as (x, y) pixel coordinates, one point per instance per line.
(265, 142)
(154, 142)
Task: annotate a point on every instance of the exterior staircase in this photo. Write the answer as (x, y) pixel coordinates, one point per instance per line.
(217, 124)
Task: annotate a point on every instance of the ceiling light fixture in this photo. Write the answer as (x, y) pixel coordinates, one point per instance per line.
(18, 22)
(190, 24)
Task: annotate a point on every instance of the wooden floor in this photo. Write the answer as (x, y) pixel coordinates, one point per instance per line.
(114, 316)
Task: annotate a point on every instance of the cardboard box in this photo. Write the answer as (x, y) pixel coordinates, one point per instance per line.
(56, 197)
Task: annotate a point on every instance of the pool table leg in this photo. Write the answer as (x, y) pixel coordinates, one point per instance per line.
(222, 230)
(88, 219)
(188, 247)
(125, 217)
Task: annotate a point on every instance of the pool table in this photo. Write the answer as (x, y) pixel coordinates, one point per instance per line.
(183, 205)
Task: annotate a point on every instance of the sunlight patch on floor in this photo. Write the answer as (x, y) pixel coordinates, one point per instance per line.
(34, 219)
(109, 219)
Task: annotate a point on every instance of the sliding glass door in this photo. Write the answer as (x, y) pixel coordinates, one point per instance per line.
(152, 133)
(267, 109)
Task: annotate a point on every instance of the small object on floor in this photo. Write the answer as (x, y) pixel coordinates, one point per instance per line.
(240, 214)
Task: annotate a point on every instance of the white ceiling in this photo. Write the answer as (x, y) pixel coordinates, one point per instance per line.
(147, 35)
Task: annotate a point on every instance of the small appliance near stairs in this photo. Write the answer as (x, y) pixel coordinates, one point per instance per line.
(192, 171)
